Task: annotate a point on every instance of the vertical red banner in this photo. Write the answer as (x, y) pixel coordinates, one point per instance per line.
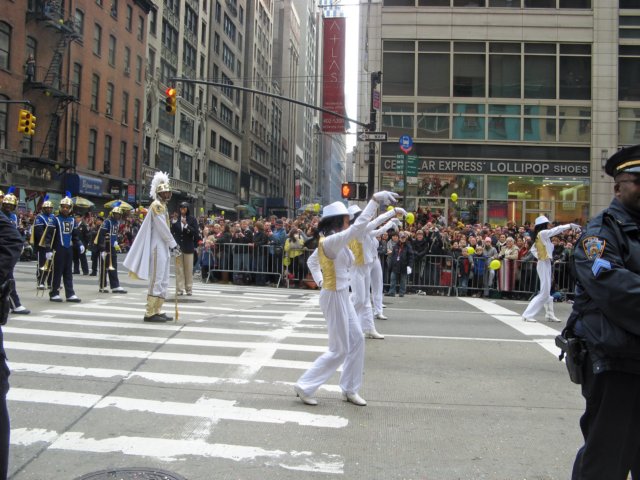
(333, 65)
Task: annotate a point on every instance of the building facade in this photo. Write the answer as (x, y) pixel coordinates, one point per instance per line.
(513, 106)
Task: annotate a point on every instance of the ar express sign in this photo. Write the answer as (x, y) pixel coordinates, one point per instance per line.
(496, 167)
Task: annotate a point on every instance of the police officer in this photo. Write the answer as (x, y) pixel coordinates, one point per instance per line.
(9, 204)
(606, 316)
(11, 244)
(108, 243)
(60, 240)
(80, 259)
(94, 234)
(43, 221)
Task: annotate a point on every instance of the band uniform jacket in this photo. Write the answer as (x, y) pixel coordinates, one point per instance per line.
(607, 264)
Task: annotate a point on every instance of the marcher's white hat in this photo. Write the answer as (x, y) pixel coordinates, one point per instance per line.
(353, 210)
(541, 220)
(334, 209)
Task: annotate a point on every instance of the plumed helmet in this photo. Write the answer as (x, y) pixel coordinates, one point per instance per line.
(117, 208)
(67, 200)
(160, 183)
(46, 203)
(10, 198)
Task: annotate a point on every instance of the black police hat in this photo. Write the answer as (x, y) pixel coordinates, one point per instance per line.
(625, 160)
(184, 205)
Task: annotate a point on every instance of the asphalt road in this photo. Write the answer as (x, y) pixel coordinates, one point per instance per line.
(458, 389)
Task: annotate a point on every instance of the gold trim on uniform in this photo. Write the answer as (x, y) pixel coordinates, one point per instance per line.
(358, 252)
(631, 163)
(328, 268)
(158, 207)
(541, 249)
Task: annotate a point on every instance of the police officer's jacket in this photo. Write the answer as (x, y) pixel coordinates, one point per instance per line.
(607, 304)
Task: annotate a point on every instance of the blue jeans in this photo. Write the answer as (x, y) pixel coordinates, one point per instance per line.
(392, 283)
(463, 283)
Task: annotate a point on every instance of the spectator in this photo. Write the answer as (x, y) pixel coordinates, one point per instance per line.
(400, 265)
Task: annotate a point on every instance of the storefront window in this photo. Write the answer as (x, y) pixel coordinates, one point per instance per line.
(469, 121)
(629, 126)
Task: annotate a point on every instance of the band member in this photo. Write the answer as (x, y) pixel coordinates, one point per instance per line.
(80, 259)
(41, 224)
(59, 241)
(152, 248)
(108, 242)
(95, 249)
(9, 204)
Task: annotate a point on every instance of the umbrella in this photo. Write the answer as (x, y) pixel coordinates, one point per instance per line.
(82, 202)
(123, 205)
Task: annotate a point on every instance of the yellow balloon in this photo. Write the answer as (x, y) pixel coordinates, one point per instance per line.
(201, 209)
(222, 212)
(141, 216)
(471, 250)
(253, 218)
(494, 265)
(454, 197)
(316, 207)
(410, 218)
(389, 208)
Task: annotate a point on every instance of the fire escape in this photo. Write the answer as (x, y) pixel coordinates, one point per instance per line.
(50, 14)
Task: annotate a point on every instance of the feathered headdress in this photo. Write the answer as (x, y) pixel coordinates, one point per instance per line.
(160, 178)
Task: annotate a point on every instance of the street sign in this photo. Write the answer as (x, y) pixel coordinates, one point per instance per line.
(412, 164)
(406, 143)
(373, 136)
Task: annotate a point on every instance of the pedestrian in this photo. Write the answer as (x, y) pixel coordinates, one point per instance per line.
(109, 248)
(329, 265)
(401, 265)
(605, 316)
(9, 204)
(11, 244)
(152, 249)
(43, 221)
(30, 69)
(187, 235)
(489, 253)
(60, 239)
(464, 268)
(542, 249)
(80, 259)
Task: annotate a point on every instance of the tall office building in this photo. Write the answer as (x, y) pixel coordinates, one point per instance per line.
(512, 105)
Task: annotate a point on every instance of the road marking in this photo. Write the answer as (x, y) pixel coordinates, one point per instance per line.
(172, 450)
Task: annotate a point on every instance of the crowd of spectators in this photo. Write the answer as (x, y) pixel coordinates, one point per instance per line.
(441, 259)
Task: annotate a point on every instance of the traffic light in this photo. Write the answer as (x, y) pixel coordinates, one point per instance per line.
(349, 190)
(362, 191)
(171, 101)
(26, 122)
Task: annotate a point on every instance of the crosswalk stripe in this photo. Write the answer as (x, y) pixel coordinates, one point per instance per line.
(170, 450)
(205, 407)
(137, 316)
(174, 357)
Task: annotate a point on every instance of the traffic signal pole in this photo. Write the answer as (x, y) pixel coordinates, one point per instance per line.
(371, 173)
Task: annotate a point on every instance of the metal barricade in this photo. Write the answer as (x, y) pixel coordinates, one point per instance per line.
(245, 263)
(432, 274)
(296, 272)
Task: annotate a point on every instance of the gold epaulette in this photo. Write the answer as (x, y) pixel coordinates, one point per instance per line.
(158, 207)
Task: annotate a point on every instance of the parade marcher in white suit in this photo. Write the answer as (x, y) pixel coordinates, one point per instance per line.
(365, 253)
(542, 249)
(329, 265)
(377, 282)
(152, 248)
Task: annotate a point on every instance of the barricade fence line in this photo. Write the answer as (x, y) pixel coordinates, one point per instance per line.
(431, 274)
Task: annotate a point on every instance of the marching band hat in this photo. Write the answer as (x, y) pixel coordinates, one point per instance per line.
(625, 160)
(117, 208)
(334, 209)
(67, 200)
(46, 203)
(541, 220)
(353, 210)
(10, 198)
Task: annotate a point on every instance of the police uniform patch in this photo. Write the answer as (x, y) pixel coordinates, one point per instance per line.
(593, 247)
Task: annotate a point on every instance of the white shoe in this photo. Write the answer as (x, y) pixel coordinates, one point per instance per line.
(118, 290)
(552, 318)
(526, 319)
(55, 298)
(73, 299)
(381, 316)
(22, 310)
(305, 399)
(354, 398)
(384, 306)
(41, 286)
(373, 334)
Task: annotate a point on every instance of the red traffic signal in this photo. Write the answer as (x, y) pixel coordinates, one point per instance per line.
(349, 190)
(171, 101)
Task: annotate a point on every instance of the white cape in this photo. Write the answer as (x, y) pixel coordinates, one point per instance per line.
(137, 261)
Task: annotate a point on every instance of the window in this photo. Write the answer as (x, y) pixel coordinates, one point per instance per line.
(189, 55)
(218, 12)
(91, 152)
(433, 69)
(186, 167)
(212, 143)
(191, 20)
(3, 122)
(575, 72)
(188, 92)
(225, 146)
(79, 22)
(468, 69)
(539, 70)
(166, 122)
(628, 71)
(216, 42)
(127, 61)
(226, 114)
(140, 34)
(31, 50)
(112, 50)
(73, 151)
(186, 129)
(95, 92)
(134, 162)
(107, 154)
(228, 57)
(129, 18)
(165, 158)
(97, 39)
(123, 159)
(114, 8)
(136, 114)
(125, 108)
(169, 37)
(222, 178)
(229, 28)
(76, 82)
(398, 67)
(504, 70)
(167, 71)
(153, 22)
(203, 33)
(110, 90)
(139, 68)
(5, 45)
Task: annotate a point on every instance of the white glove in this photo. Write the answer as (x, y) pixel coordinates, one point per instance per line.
(408, 270)
(103, 255)
(175, 251)
(401, 211)
(396, 221)
(386, 197)
(49, 255)
(81, 249)
(115, 245)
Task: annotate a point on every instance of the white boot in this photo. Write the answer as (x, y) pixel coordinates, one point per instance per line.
(549, 315)
(373, 334)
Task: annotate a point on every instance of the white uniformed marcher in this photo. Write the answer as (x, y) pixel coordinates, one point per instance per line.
(149, 255)
(329, 265)
(542, 249)
(365, 252)
(377, 282)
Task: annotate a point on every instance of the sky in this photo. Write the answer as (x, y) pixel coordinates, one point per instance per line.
(351, 9)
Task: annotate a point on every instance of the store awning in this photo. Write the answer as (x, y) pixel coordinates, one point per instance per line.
(223, 207)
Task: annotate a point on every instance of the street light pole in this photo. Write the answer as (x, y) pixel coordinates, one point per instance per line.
(371, 173)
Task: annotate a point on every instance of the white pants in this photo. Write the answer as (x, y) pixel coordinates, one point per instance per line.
(360, 295)
(346, 346)
(376, 286)
(159, 272)
(544, 295)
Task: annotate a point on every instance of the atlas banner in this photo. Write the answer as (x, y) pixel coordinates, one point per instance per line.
(333, 65)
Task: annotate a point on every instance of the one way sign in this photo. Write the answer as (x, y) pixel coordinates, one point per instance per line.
(373, 136)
